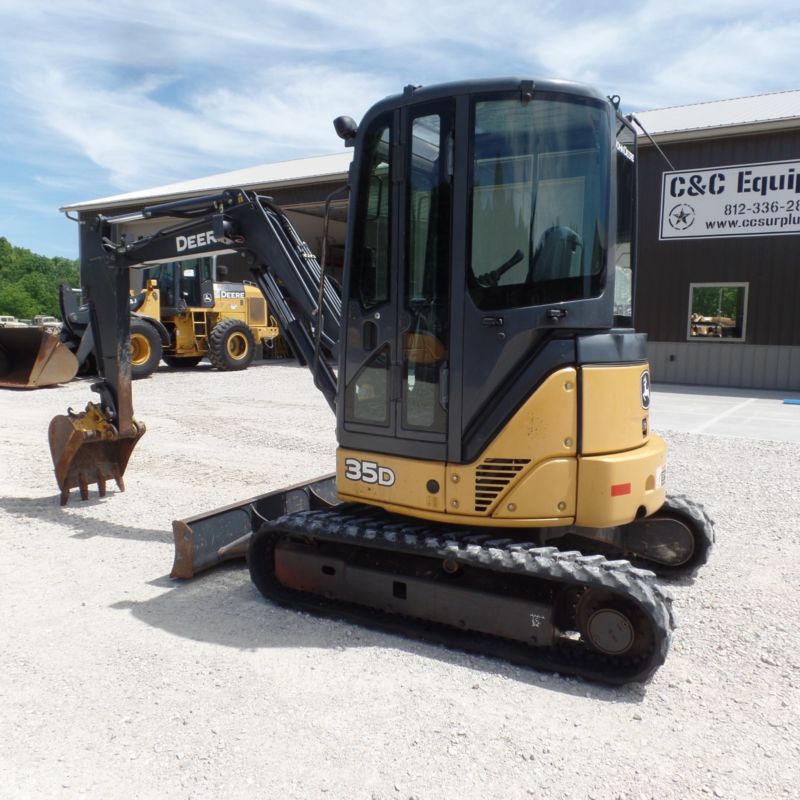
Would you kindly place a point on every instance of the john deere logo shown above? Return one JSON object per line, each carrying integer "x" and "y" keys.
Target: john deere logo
{"x": 229, "y": 291}
{"x": 645, "y": 385}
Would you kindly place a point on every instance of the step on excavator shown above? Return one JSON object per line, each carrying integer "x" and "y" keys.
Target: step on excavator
{"x": 498, "y": 487}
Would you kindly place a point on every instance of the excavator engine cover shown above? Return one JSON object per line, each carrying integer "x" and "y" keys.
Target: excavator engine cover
{"x": 87, "y": 448}
{"x": 33, "y": 357}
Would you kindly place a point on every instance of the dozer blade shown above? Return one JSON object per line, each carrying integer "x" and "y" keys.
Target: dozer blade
{"x": 32, "y": 357}
{"x": 86, "y": 448}
{"x": 205, "y": 540}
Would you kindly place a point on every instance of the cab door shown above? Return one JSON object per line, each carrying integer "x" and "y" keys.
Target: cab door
{"x": 395, "y": 360}
{"x": 423, "y": 343}
{"x": 367, "y": 408}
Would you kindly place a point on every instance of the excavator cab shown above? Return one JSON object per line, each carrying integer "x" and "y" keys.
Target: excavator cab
{"x": 483, "y": 238}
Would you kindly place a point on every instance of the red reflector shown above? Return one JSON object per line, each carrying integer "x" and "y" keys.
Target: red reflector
{"x": 620, "y": 488}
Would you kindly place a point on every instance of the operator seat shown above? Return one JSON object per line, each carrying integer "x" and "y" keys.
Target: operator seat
{"x": 555, "y": 255}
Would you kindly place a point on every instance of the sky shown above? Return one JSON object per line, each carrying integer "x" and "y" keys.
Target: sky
{"x": 101, "y": 98}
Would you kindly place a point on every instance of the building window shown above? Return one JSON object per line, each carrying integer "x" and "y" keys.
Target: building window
{"x": 717, "y": 312}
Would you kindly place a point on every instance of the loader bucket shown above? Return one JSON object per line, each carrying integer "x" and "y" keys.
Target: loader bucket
{"x": 33, "y": 357}
{"x": 203, "y": 541}
{"x": 86, "y": 448}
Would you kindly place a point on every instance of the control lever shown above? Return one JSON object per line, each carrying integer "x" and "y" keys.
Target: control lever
{"x": 490, "y": 279}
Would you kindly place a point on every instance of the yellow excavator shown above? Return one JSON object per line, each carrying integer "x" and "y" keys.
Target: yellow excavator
{"x": 498, "y": 487}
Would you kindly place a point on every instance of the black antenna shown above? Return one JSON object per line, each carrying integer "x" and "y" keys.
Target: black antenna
{"x": 634, "y": 118}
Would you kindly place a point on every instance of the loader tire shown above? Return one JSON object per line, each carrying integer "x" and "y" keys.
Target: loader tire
{"x": 183, "y": 362}
{"x": 146, "y": 349}
{"x": 231, "y": 345}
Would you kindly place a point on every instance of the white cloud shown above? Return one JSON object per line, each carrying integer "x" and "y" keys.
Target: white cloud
{"x": 730, "y": 61}
{"x": 139, "y": 139}
{"x": 120, "y": 96}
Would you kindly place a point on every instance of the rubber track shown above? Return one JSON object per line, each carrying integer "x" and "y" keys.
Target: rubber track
{"x": 695, "y": 514}
{"x": 373, "y": 528}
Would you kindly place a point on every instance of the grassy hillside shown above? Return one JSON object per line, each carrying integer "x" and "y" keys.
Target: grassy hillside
{"x": 29, "y": 282}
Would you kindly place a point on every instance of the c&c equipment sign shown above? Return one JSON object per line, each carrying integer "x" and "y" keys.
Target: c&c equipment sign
{"x": 742, "y": 200}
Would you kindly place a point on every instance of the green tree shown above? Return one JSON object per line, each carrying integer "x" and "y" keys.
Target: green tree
{"x": 29, "y": 282}
{"x": 16, "y": 301}
{"x": 713, "y": 301}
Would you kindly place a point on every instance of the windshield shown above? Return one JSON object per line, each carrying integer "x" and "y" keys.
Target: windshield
{"x": 540, "y": 189}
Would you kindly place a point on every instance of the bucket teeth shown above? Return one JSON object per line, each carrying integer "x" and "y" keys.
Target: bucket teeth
{"x": 87, "y": 448}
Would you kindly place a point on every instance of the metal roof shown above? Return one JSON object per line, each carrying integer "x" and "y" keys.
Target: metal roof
{"x": 282, "y": 174}
{"x": 765, "y": 111}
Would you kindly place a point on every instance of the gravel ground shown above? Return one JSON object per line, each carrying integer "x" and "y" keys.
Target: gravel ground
{"x": 118, "y": 682}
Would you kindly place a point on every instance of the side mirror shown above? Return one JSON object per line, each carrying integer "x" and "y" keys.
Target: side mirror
{"x": 346, "y": 129}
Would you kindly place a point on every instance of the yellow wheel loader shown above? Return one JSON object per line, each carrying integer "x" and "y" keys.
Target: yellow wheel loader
{"x": 498, "y": 487}
{"x": 183, "y": 314}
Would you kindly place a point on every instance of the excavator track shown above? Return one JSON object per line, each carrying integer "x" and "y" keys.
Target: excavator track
{"x": 564, "y": 612}
{"x": 674, "y": 542}
{"x": 695, "y": 516}
{"x": 679, "y": 555}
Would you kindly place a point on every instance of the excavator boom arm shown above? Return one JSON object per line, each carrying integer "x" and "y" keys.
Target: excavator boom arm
{"x": 282, "y": 265}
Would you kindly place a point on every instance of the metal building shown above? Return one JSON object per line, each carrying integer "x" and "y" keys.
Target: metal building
{"x": 300, "y": 187}
{"x": 718, "y": 284}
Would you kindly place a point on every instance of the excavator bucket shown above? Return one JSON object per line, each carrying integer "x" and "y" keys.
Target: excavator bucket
{"x": 203, "y": 541}
{"x": 33, "y": 357}
{"x": 86, "y": 448}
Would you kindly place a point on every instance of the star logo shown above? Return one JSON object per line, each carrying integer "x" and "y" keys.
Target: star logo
{"x": 681, "y": 217}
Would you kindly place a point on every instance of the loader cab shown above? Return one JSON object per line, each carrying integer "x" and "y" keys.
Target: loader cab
{"x": 483, "y": 239}
{"x": 181, "y": 283}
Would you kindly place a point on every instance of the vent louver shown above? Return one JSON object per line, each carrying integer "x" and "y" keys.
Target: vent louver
{"x": 492, "y": 476}
{"x": 256, "y": 311}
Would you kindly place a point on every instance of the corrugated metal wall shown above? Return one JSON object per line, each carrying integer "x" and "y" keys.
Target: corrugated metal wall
{"x": 725, "y": 364}
{"x": 770, "y": 265}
